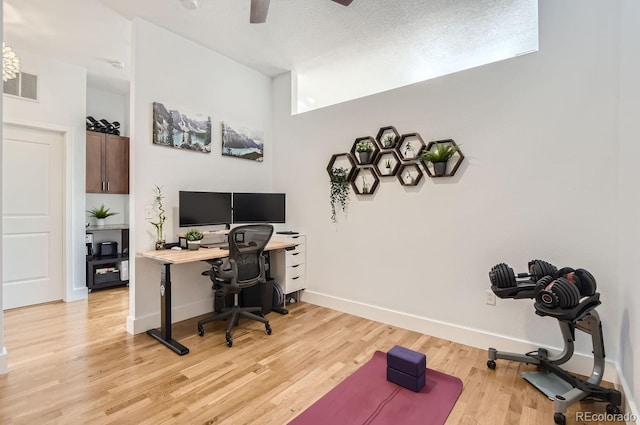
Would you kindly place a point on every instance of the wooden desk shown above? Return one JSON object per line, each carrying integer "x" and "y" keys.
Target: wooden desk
{"x": 168, "y": 257}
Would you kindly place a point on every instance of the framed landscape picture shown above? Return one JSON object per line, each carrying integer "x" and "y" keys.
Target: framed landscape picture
{"x": 178, "y": 129}
{"x": 242, "y": 142}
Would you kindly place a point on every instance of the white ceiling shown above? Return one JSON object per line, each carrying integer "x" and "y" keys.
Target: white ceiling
{"x": 299, "y": 35}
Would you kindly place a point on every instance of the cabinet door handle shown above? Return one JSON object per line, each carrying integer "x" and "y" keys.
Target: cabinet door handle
{"x": 108, "y": 186}
{"x": 103, "y": 186}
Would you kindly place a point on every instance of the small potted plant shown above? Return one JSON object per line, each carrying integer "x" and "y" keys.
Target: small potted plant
{"x": 388, "y": 140}
{"x": 100, "y": 214}
{"x": 193, "y": 238}
{"x": 439, "y": 157}
{"x": 408, "y": 150}
{"x": 387, "y": 166}
{"x": 408, "y": 178}
{"x": 364, "y": 149}
{"x": 365, "y": 186}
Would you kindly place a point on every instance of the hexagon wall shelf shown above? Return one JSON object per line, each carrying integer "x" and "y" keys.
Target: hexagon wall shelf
{"x": 343, "y": 160}
{"x": 381, "y": 161}
{"x": 365, "y": 181}
{"x": 452, "y": 165}
{"x": 372, "y": 155}
{"x": 409, "y": 146}
{"x": 387, "y": 137}
{"x": 409, "y": 174}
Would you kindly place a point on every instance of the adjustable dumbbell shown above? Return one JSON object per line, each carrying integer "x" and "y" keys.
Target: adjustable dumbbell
{"x": 502, "y": 276}
{"x": 565, "y": 291}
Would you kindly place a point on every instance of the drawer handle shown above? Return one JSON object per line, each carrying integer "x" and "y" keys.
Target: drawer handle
{"x": 290, "y": 248}
{"x": 297, "y": 265}
{"x": 294, "y": 278}
{"x": 295, "y": 237}
{"x": 295, "y": 253}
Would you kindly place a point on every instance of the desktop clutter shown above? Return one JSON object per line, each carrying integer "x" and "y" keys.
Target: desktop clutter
{"x": 569, "y": 296}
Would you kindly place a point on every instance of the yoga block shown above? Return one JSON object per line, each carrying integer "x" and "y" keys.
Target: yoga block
{"x": 413, "y": 383}
{"x": 407, "y": 361}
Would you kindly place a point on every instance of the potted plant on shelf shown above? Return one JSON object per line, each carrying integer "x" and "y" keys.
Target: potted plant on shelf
{"x": 408, "y": 150}
{"x": 339, "y": 194}
{"x": 387, "y": 166}
{"x": 100, "y": 214}
{"x": 159, "y": 223}
{"x": 364, "y": 149}
{"x": 365, "y": 185}
{"x": 388, "y": 140}
{"x": 439, "y": 157}
{"x": 193, "y": 238}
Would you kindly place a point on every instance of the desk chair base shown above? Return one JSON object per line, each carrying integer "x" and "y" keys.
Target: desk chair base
{"x": 233, "y": 314}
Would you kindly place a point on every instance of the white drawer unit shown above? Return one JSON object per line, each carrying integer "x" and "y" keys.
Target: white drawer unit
{"x": 288, "y": 270}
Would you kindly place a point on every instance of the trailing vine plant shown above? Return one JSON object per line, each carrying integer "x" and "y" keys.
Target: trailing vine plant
{"x": 159, "y": 224}
{"x": 339, "y": 195}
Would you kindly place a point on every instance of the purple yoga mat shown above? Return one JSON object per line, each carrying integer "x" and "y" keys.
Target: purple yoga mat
{"x": 367, "y": 398}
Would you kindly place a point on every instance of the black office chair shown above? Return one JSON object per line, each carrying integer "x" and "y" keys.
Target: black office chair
{"x": 244, "y": 267}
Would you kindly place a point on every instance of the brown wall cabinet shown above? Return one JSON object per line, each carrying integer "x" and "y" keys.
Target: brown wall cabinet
{"x": 107, "y": 163}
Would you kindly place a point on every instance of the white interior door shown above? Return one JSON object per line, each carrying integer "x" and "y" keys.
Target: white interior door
{"x": 32, "y": 214}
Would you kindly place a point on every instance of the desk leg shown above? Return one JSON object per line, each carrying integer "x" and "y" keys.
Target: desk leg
{"x": 164, "y": 334}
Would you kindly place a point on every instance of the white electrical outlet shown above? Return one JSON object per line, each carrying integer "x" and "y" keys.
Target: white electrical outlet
{"x": 489, "y": 297}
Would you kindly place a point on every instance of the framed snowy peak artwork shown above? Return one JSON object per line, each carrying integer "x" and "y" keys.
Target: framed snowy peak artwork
{"x": 179, "y": 129}
{"x": 242, "y": 142}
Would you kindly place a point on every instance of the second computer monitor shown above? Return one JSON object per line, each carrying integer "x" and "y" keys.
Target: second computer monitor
{"x": 259, "y": 207}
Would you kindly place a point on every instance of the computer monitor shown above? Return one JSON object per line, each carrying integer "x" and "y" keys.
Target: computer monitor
{"x": 259, "y": 207}
{"x": 204, "y": 208}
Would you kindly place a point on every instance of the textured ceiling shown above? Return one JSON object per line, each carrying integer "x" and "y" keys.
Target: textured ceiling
{"x": 305, "y": 36}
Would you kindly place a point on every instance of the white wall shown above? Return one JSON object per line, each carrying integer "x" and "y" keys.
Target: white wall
{"x": 629, "y": 228}
{"x": 179, "y": 73}
{"x": 61, "y": 106}
{"x": 539, "y": 134}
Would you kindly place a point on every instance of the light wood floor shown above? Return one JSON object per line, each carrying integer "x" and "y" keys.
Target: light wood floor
{"x": 75, "y": 364}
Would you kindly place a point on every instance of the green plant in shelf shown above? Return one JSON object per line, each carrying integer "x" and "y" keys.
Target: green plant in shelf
{"x": 339, "y": 193}
{"x": 364, "y": 146}
{"x": 442, "y": 153}
{"x": 388, "y": 140}
{"x": 193, "y": 235}
{"x": 101, "y": 212}
{"x": 387, "y": 163}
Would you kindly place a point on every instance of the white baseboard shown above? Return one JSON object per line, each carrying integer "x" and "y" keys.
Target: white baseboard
{"x": 630, "y": 408}
{"x": 4, "y": 364}
{"x": 579, "y": 363}
{"x": 178, "y": 313}
{"x": 77, "y": 294}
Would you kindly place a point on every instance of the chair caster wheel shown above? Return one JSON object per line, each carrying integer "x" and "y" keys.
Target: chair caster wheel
{"x": 491, "y": 364}
{"x": 267, "y": 329}
{"x": 229, "y": 339}
{"x": 200, "y": 331}
{"x": 612, "y": 409}
{"x": 559, "y": 418}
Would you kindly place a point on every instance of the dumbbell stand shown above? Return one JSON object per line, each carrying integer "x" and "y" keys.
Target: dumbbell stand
{"x": 588, "y": 322}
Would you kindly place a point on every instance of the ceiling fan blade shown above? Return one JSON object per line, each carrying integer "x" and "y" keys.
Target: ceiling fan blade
{"x": 259, "y": 9}
{"x": 343, "y": 2}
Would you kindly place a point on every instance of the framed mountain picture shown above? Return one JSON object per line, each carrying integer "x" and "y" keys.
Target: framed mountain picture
{"x": 176, "y": 128}
{"x": 242, "y": 142}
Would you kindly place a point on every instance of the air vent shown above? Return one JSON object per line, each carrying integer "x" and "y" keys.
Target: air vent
{"x": 24, "y": 86}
